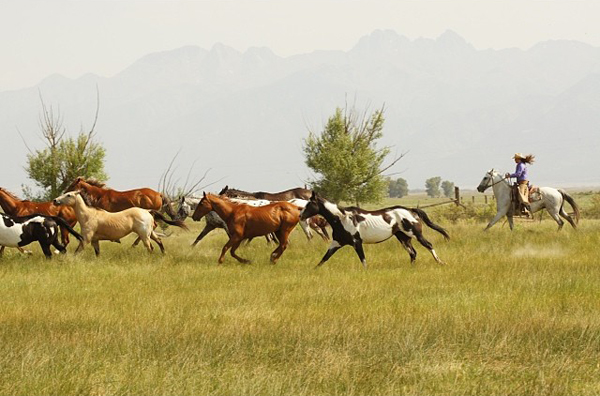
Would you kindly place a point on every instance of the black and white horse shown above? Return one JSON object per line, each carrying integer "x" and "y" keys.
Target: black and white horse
{"x": 354, "y": 226}
{"x": 21, "y": 231}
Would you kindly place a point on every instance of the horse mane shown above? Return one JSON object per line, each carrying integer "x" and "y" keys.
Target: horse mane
{"x": 95, "y": 182}
{"x": 232, "y": 193}
{"x": 89, "y": 200}
{"x": 10, "y": 194}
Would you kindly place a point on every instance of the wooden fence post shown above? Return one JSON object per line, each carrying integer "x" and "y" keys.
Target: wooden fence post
{"x": 456, "y": 195}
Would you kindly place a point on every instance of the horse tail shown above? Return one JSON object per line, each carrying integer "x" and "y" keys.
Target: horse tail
{"x": 63, "y": 223}
{"x": 429, "y": 223}
{"x": 571, "y": 202}
{"x": 176, "y": 223}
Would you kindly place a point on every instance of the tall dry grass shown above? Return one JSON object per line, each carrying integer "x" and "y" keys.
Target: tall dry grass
{"x": 512, "y": 313}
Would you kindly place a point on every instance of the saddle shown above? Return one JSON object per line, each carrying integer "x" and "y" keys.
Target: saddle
{"x": 532, "y": 196}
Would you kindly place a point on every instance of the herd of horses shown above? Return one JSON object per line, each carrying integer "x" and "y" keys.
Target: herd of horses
{"x": 105, "y": 214}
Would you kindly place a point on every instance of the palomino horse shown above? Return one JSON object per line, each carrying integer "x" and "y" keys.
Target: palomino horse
{"x": 21, "y": 231}
{"x": 15, "y": 207}
{"x": 246, "y": 222}
{"x": 286, "y": 195}
{"x": 115, "y": 201}
{"x": 100, "y": 225}
{"x": 354, "y": 226}
{"x": 548, "y": 198}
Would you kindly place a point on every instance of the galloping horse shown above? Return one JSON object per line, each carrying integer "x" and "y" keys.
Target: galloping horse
{"x": 21, "y": 231}
{"x": 548, "y": 198}
{"x": 15, "y": 207}
{"x": 246, "y": 222}
{"x": 286, "y": 195}
{"x": 98, "y": 224}
{"x": 116, "y": 201}
{"x": 354, "y": 226}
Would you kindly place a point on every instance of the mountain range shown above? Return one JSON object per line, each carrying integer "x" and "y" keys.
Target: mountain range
{"x": 453, "y": 110}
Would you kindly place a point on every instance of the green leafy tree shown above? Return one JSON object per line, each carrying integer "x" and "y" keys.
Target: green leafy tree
{"x": 398, "y": 188}
{"x": 448, "y": 188}
{"x": 346, "y": 156}
{"x": 432, "y": 186}
{"x": 64, "y": 158}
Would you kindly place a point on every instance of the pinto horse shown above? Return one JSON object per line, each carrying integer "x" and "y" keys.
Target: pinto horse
{"x": 354, "y": 226}
{"x": 15, "y": 207}
{"x": 286, "y": 195}
{"x": 98, "y": 224}
{"x": 115, "y": 201}
{"x": 246, "y": 222}
{"x": 21, "y": 231}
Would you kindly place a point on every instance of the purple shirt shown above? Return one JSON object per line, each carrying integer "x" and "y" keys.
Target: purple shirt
{"x": 521, "y": 172}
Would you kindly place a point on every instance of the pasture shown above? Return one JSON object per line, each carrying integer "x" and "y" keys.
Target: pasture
{"x": 511, "y": 313}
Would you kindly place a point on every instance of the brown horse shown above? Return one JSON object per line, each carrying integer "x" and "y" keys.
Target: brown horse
{"x": 286, "y": 195}
{"x": 246, "y": 222}
{"x": 15, "y": 207}
{"x": 116, "y": 201}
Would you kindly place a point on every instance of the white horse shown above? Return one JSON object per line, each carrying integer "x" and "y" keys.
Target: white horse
{"x": 548, "y": 198}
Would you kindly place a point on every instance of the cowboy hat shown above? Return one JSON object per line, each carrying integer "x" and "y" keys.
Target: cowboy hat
{"x": 519, "y": 156}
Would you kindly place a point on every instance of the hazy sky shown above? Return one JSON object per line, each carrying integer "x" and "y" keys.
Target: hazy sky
{"x": 72, "y": 38}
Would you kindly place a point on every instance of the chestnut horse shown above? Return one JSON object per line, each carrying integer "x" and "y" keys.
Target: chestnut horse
{"x": 116, "y": 201}
{"x": 13, "y": 206}
{"x": 246, "y": 222}
{"x": 286, "y": 195}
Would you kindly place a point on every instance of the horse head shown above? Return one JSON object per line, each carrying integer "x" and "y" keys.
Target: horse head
{"x": 312, "y": 207}
{"x": 224, "y": 190}
{"x": 184, "y": 208}
{"x": 487, "y": 181}
{"x": 68, "y": 198}
{"x": 203, "y": 208}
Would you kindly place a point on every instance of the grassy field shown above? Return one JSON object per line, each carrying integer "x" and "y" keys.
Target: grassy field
{"x": 511, "y": 313}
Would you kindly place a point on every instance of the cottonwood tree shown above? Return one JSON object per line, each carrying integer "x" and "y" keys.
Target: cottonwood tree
{"x": 432, "y": 186}
{"x": 448, "y": 188}
{"x": 64, "y": 158}
{"x": 346, "y": 157}
{"x": 397, "y": 188}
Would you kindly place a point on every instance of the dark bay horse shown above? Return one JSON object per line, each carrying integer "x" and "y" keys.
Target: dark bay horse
{"x": 116, "y": 201}
{"x": 354, "y": 226}
{"x": 286, "y": 195}
{"x": 13, "y": 206}
{"x": 246, "y": 222}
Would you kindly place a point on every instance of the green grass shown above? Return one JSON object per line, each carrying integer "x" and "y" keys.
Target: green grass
{"x": 511, "y": 313}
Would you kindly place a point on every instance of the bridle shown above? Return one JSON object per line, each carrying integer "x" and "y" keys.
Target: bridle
{"x": 491, "y": 175}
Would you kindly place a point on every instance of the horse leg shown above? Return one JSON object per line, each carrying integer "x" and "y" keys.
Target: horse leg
{"x": 208, "y": 228}
{"x": 358, "y": 248}
{"x": 322, "y": 231}
{"x": 147, "y": 243}
{"x": 234, "y": 246}
{"x": 566, "y": 216}
{"x": 429, "y": 246}
{"x": 46, "y": 249}
{"x": 334, "y": 247}
{"x": 499, "y": 215}
{"x": 511, "y": 224}
{"x": 224, "y": 250}
{"x": 283, "y": 235}
{"x": 136, "y": 242}
{"x": 96, "y": 246}
{"x": 62, "y": 249}
{"x": 64, "y": 236}
{"x": 407, "y": 245}
{"x": 158, "y": 241}
{"x": 306, "y": 228}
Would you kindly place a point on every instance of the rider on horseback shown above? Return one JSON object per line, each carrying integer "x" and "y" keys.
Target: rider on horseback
{"x": 522, "y": 182}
